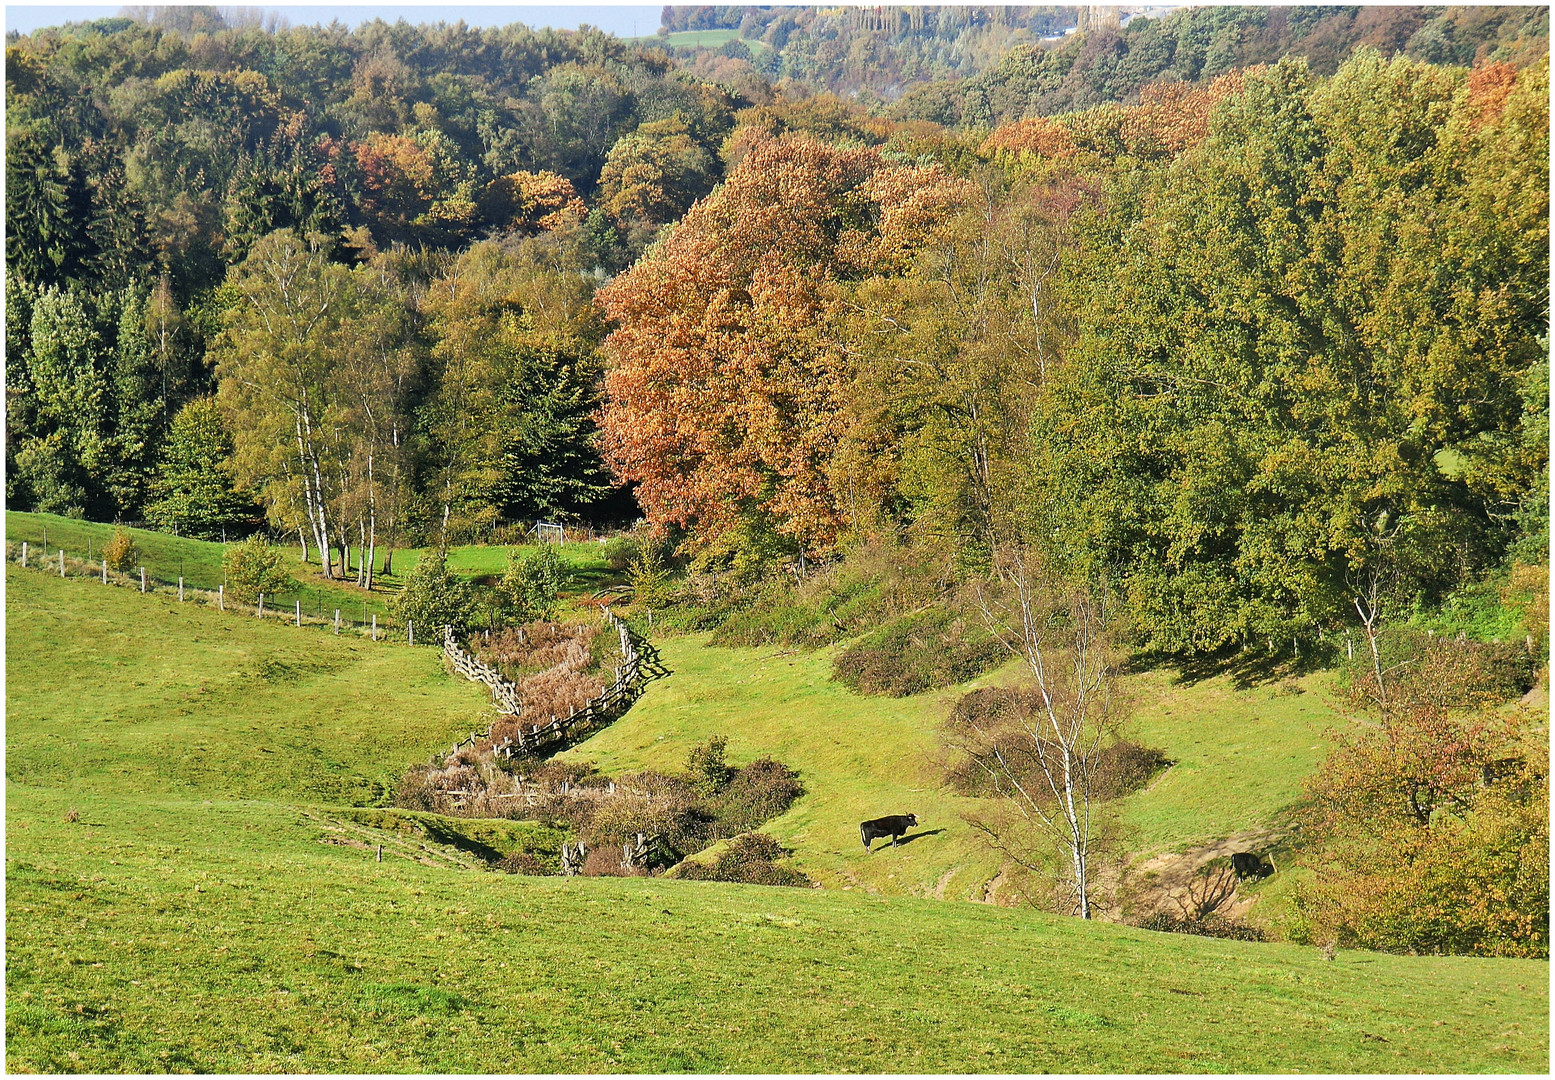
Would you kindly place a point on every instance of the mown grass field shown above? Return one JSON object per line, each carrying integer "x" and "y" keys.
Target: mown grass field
{"x": 192, "y": 919}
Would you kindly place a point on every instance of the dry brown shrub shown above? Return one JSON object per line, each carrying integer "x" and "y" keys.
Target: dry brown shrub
{"x": 522, "y": 862}
{"x": 120, "y": 552}
{"x": 556, "y": 692}
{"x": 539, "y": 645}
{"x": 606, "y": 862}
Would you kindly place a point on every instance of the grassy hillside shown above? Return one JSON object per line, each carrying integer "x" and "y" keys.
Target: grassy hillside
{"x": 207, "y": 910}
{"x": 1240, "y": 757}
{"x": 111, "y": 692}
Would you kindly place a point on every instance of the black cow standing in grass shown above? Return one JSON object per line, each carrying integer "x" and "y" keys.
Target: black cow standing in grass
{"x": 893, "y": 826}
{"x": 1249, "y": 864}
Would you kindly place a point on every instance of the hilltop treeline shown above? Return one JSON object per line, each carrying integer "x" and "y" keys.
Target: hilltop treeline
{"x": 985, "y": 66}
{"x": 1207, "y": 42}
{"x": 1234, "y": 345}
{"x": 1234, "y": 349}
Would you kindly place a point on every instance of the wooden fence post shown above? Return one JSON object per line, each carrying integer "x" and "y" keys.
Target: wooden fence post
{"x": 410, "y": 629}
{"x": 61, "y": 562}
{"x": 337, "y": 620}
{"x": 259, "y": 609}
{"x": 105, "y": 571}
{"x": 375, "y": 627}
{"x": 142, "y": 579}
{"x": 180, "y": 590}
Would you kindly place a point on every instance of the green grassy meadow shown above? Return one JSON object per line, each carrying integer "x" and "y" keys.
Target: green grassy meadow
{"x": 219, "y": 906}
{"x": 1240, "y": 757}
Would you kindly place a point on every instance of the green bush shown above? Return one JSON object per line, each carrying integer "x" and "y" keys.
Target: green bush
{"x": 120, "y": 552}
{"x": 254, "y": 566}
{"x": 532, "y": 585}
{"x": 706, "y": 768}
{"x": 749, "y": 860}
{"x": 1163, "y": 922}
{"x": 755, "y": 794}
{"x": 921, "y": 652}
{"x": 654, "y": 584}
{"x": 434, "y": 597}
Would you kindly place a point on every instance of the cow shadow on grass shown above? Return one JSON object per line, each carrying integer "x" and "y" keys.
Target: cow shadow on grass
{"x": 910, "y": 837}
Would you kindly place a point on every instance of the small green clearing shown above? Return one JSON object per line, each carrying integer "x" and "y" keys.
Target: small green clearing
{"x": 199, "y": 562}
{"x": 705, "y": 39}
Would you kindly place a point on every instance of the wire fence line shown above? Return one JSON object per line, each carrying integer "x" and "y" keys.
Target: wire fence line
{"x": 288, "y": 607}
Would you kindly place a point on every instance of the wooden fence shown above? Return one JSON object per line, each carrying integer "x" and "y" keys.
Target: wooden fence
{"x": 639, "y": 665}
{"x": 298, "y": 611}
{"x": 504, "y": 695}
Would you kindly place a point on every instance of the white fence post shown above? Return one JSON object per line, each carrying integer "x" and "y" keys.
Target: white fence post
{"x": 105, "y": 571}
{"x": 142, "y": 579}
{"x": 24, "y": 553}
{"x": 61, "y": 562}
{"x": 299, "y": 613}
{"x": 375, "y": 627}
{"x": 410, "y": 629}
{"x": 259, "y": 611}
{"x": 180, "y": 590}
{"x": 337, "y": 620}
{"x": 221, "y": 597}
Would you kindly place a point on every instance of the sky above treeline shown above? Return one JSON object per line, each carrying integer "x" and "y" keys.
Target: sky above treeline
{"x": 624, "y": 20}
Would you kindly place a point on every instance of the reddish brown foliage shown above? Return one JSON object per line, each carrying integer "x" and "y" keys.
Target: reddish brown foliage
{"x": 1173, "y": 117}
{"x": 723, "y": 392}
{"x": 1039, "y": 135}
{"x": 1489, "y": 87}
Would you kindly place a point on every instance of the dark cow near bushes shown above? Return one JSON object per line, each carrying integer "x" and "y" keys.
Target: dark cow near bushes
{"x": 1247, "y": 864}
{"x": 893, "y": 826}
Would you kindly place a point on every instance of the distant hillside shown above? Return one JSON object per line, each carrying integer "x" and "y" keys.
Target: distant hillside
{"x": 1201, "y": 43}
{"x": 879, "y": 52}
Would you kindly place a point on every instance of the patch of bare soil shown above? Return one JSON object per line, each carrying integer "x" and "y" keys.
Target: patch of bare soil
{"x": 1155, "y": 882}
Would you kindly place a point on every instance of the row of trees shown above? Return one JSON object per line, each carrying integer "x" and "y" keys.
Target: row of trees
{"x": 1234, "y": 364}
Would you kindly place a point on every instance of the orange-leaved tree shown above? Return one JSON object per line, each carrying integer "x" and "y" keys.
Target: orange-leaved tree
{"x": 725, "y": 377}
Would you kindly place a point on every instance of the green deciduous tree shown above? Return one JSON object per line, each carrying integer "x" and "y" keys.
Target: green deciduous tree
{"x": 433, "y": 597}
{"x": 254, "y": 566}
{"x": 1304, "y": 350}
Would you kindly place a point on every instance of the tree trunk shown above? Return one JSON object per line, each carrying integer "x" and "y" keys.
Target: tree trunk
{"x": 312, "y": 490}
{"x": 361, "y": 547}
